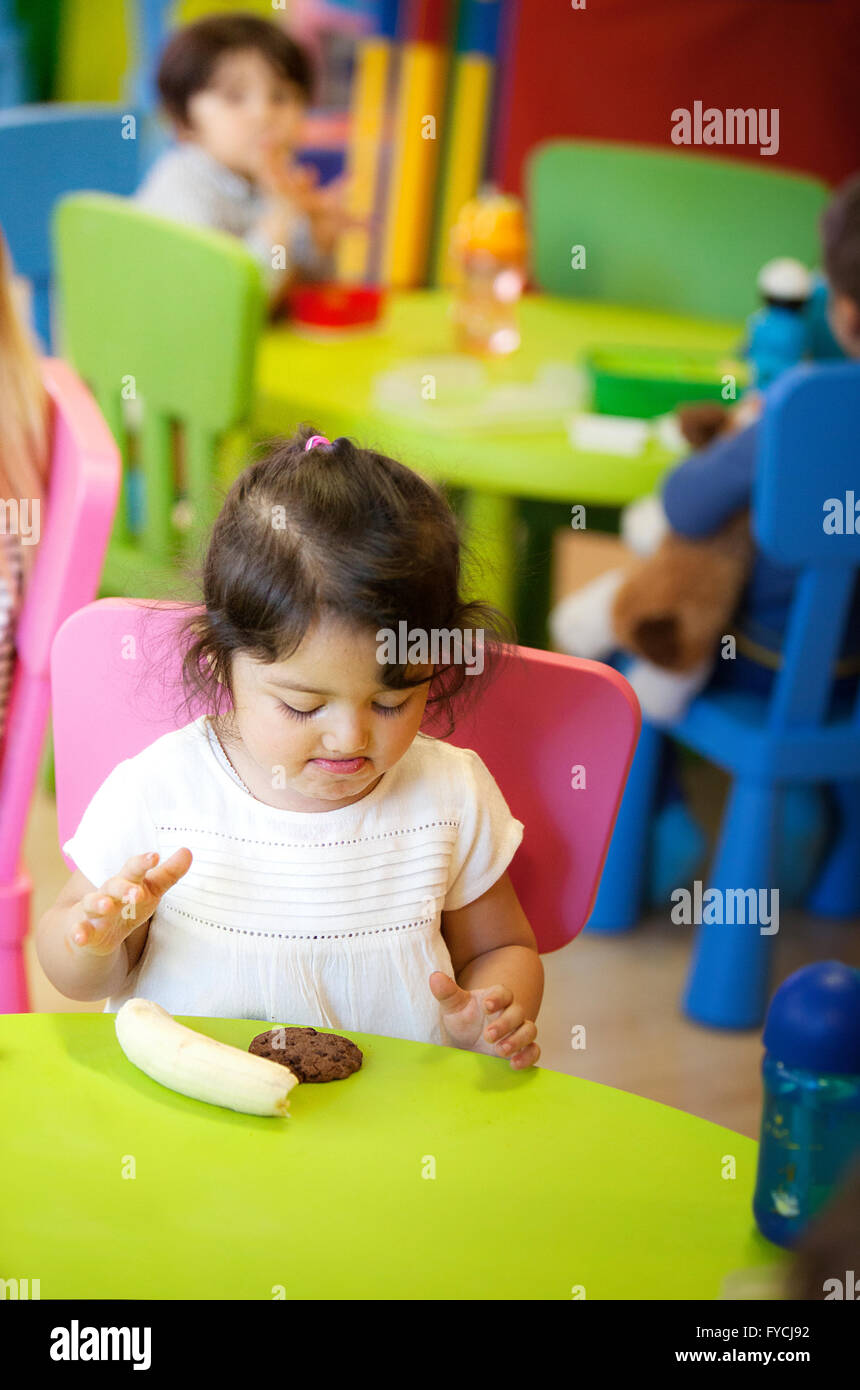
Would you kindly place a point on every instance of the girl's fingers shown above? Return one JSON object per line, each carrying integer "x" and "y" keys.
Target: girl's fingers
{"x": 171, "y": 871}
{"x": 97, "y": 905}
{"x": 83, "y": 932}
{"x": 518, "y": 1038}
{"x": 142, "y": 877}
{"x": 132, "y": 874}
{"x": 497, "y": 998}
{"x": 507, "y": 1021}
{"x": 138, "y": 884}
{"x": 97, "y": 911}
{"x": 122, "y": 893}
{"x": 454, "y": 997}
{"x": 526, "y": 1058}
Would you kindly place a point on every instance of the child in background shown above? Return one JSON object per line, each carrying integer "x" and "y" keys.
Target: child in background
{"x": 713, "y": 485}
{"x": 236, "y": 88}
{"x": 322, "y": 862}
{"x": 699, "y": 497}
{"x": 24, "y": 463}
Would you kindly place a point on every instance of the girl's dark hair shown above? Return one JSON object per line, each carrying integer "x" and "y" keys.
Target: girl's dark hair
{"x": 342, "y": 531}
{"x": 190, "y": 56}
{"x": 840, "y": 234}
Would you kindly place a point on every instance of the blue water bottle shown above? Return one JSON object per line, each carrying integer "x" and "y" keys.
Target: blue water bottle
{"x": 810, "y": 1129}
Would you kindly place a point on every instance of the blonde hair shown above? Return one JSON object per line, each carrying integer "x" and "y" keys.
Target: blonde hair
{"x": 24, "y": 415}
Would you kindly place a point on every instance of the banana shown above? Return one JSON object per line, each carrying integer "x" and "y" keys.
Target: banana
{"x": 201, "y": 1067}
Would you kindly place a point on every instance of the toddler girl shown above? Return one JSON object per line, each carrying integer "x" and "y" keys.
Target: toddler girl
{"x": 322, "y": 862}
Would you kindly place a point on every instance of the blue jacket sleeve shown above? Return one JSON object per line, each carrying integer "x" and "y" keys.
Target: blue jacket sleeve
{"x": 711, "y": 485}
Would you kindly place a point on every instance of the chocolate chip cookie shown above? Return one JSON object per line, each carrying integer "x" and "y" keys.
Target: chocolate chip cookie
{"x": 312, "y": 1056}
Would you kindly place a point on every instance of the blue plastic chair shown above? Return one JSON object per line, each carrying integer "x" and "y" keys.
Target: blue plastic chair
{"x": 48, "y": 150}
{"x": 153, "y": 23}
{"x": 809, "y": 452}
{"x": 14, "y": 78}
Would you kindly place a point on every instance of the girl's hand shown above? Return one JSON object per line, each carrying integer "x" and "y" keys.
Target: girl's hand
{"x": 486, "y": 1020}
{"x": 112, "y": 913}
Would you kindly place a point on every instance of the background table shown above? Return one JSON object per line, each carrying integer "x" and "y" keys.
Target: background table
{"x": 542, "y": 1181}
{"x": 330, "y": 382}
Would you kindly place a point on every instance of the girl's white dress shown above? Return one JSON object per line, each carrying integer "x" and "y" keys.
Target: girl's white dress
{"x": 325, "y": 919}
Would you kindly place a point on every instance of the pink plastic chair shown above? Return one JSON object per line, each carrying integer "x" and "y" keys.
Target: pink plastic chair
{"x": 76, "y": 522}
{"x": 543, "y": 715}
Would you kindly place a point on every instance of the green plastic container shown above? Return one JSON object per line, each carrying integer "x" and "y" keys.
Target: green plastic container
{"x": 644, "y": 382}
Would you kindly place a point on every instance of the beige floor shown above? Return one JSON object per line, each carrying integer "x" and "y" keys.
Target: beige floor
{"x": 624, "y": 989}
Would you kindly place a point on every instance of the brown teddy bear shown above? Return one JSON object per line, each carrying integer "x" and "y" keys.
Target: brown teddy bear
{"x": 676, "y": 604}
{"x": 672, "y": 607}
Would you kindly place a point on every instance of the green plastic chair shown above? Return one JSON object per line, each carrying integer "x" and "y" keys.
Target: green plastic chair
{"x": 664, "y": 229}
{"x": 169, "y": 315}
{"x": 172, "y": 313}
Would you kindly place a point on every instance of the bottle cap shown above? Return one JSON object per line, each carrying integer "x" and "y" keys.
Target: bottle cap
{"x": 814, "y": 1019}
{"x": 494, "y": 222}
{"x": 784, "y": 278}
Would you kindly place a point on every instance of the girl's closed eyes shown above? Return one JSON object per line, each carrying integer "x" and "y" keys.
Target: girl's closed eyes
{"x": 309, "y": 713}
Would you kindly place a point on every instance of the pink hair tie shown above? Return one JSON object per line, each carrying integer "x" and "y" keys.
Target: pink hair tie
{"x": 316, "y": 439}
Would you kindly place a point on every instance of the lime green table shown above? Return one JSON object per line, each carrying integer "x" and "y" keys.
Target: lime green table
{"x": 430, "y": 1173}
{"x": 334, "y": 382}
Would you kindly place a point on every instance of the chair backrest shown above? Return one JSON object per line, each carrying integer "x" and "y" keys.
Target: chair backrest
{"x": 557, "y": 733}
{"x": 153, "y": 21}
{"x": 82, "y": 494}
{"x": 806, "y": 515}
{"x": 169, "y": 316}
{"x": 46, "y": 151}
{"x": 663, "y": 229}
{"x": 14, "y": 74}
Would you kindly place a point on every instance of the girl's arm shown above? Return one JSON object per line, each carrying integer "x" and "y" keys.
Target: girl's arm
{"x": 491, "y": 943}
{"x": 77, "y": 973}
{"x": 91, "y": 939}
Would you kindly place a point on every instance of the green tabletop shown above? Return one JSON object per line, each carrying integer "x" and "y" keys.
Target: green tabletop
{"x": 333, "y": 381}
{"x": 430, "y": 1173}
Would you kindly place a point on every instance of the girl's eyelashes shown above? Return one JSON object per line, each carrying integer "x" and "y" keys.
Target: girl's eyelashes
{"x": 386, "y": 710}
{"x": 298, "y": 713}
{"x": 392, "y": 709}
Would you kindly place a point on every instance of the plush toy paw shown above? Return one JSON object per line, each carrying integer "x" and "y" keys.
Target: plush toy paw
{"x": 702, "y": 421}
{"x": 581, "y": 624}
{"x": 665, "y": 695}
{"x": 644, "y": 525}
